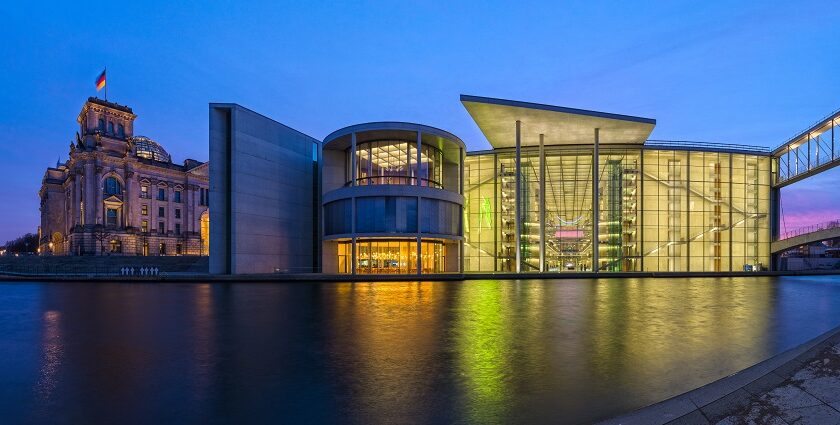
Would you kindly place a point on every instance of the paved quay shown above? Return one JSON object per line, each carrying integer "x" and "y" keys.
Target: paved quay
{"x": 800, "y": 386}
{"x": 166, "y": 276}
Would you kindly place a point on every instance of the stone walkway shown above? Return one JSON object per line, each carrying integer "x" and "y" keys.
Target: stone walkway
{"x": 801, "y": 386}
{"x": 796, "y": 393}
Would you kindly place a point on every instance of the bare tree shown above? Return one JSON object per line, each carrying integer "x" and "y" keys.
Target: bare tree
{"x": 101, "y": 234}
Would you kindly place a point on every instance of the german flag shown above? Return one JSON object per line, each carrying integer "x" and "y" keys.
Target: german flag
{"x": 100, "y": 81}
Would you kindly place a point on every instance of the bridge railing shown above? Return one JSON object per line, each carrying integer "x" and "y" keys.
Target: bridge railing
{"x": 811, "y": 228}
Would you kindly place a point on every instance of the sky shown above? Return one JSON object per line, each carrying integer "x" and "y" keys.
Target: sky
{"x": 718, "y": 71}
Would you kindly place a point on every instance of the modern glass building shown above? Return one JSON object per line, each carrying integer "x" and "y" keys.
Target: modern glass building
{"x": 392, "y": 200}
{"x": 574, "y": 190}
{"x": 561, "y": 190}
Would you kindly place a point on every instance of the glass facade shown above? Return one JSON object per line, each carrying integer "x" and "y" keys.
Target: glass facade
{"x": 395, "y": 162}
{"x": 391, "y": 256}
{"x": 657, "y": 210}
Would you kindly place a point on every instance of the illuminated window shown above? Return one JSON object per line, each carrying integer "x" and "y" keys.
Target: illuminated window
{"x": 116, "y": 245}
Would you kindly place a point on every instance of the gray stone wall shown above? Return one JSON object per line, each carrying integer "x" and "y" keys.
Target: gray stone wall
{"x": 262, "y": 189}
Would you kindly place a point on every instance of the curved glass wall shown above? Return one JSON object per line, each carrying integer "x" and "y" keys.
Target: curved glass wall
{"x": 395, "y": 162}
{"x": 658, "y": 210}
{"x": 391, "y": 256}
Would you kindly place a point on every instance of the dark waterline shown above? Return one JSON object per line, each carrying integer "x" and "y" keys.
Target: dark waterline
{"x": 435, "y": 352}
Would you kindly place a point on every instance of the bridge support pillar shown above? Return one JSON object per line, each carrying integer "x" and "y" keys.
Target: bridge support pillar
{"x": 775, "y": 221}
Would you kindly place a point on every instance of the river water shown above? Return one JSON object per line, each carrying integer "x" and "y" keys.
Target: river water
{"x": 541, "y": 351}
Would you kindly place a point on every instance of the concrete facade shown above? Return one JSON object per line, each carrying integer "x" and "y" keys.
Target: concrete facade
{"x": 263, "y": 194}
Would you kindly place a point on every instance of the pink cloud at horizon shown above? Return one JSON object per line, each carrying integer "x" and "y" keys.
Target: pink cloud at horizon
{"x": 812, "y": 201}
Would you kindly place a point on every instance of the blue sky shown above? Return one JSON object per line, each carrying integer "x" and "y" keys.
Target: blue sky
{"x": 736, "y": 72}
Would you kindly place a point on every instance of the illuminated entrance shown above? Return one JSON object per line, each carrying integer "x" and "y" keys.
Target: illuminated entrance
{"x": 391, "y": 256}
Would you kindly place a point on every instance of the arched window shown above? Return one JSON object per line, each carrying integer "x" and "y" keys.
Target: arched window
{"x": 121, "y": 130}
{"x": 111, "y": 127}
{"x": 112, "y": 186}
{"x": 205, "y": 233}
{"x": 101, "y": 124}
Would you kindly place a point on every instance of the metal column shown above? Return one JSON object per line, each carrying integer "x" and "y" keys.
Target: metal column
{"x": 353, "y": 251}
{"x": 542, "y": 203}
{"x": 731, "y": 223}
{"x": 595, "y": 213}
{"x": 353, "y": 159}
{"x": 417, "y": 181}
{"x": 496, "y": 226}
{"x": 518, "y": 199}
{"x": 640, "y": 235}
{"x": 688, "y": 211}
{"x": 461, "y": 191}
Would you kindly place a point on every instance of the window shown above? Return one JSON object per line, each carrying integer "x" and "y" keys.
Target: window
{"x": 121, "y": 130}
{"x": 111, "y": 217}
{"x": 162, "y": 249}
{"x": 144, "y": 192}
{"x": 161, "y": 227}
{"x": 177, "y": 213}
{"x": 178, "y": 229}
{"x": 112, "y": 186}
{"x": 101, "y": 125}
{"x": 144, "y": 226}
{"x": 178, "y": 196}
{"x": 144, "y": 209}
{"x": 161, "y": 212}
{"x": 116, "y": 245}
{"x": 161, "y": 194}
{"x": 111, "y": 127}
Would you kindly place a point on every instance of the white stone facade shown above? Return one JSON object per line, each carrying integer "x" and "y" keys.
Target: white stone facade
{"x": 119, "y": 194}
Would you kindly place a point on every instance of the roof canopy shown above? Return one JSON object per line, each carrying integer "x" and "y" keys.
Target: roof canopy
{"x": 560, "y": 126}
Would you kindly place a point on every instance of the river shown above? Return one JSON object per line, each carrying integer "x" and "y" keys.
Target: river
{"x": 528, "y": 351}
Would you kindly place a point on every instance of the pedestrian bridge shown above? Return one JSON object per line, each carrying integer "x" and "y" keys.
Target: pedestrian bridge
{"x": 810, "y": 152}
{"x": 806, "y": 235}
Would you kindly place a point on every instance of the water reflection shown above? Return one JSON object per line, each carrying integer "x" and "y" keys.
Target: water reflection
{"x": 51, "y": 355}
{"x": 412, "y": 352}
{"x": 383, "y": 345}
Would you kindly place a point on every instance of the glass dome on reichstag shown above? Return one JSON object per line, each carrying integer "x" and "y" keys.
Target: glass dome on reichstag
{"x": 145, "y": 147}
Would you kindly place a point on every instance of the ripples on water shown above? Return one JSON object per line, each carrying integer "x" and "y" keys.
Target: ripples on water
{"x": 570, "y": 351}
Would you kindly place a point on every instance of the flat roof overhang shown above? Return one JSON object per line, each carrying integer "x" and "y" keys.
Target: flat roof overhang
{"x": 560, "y": 126}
